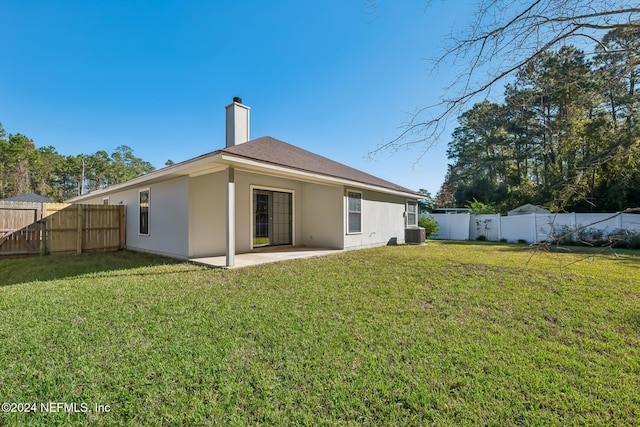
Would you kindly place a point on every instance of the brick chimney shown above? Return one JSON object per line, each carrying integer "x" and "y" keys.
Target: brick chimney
{"x": 237, "y": 123}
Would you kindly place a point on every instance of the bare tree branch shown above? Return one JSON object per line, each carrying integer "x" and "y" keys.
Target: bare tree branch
{"x": 504, "y": 36}
{"x": 556, "y": 240}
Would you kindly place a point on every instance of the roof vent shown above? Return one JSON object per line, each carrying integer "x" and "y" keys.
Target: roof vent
{"x": 237, "y": 99}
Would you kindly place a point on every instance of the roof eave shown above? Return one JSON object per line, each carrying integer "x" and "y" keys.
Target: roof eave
{"x": 205, "y": 164}
{"x": 191, "y": 167}
{"x": 236, "y": 161}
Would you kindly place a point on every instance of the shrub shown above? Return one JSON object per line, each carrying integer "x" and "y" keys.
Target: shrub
{"x": 429, "y": 224}
{"x": 562, "y": 235}
{"x": 634, "y": 242}
{"x": 621, "y": 238}
{"x": 479, "y": 208}
{"x": 591, "y": 237}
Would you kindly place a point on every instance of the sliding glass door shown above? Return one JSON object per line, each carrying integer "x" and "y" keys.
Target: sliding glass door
{"x": 272, "y": 218}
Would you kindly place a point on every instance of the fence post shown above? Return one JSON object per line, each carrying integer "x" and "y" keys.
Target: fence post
{"x": 535, "y": 228}
{"x": 79, "y": 230}
{"x": 123, "y": 226}
{"x": 619, "y": 220}
{"x": 43, "y": 237}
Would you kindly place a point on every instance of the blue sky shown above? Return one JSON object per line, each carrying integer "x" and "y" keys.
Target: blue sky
{"x": 336, "y": 77}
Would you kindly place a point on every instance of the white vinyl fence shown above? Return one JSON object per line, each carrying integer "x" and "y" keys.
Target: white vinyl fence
{"x": 533, "y": 228}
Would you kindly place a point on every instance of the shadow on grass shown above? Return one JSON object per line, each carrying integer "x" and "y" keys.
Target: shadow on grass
{"x": 500, "y": 246}
{"x": 51, "y": 267}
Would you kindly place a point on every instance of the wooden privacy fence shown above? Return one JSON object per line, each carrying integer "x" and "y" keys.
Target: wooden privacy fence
{"x": 74, "y": 229}
{"x": 26, "y": 241}
{"x": 16, "y": 215}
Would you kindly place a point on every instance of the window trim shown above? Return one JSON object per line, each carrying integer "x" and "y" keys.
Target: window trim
{"x": 348, "y": 211}
{"x": 415, "y": 213}
{"x": 105, "y": 200}
{"x": 140, "y": 191}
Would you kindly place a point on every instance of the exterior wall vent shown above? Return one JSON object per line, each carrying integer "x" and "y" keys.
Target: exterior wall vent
{"x": 414, "y": 236}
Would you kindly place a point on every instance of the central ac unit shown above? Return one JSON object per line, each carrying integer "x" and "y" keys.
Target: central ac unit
{"x": 414, "y": 236}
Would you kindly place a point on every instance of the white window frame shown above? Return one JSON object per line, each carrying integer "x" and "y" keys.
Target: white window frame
{"x": 415, "y": 213}
{"x": 348, "y": 211}
{"x": 105, "y": 200}
{"x": 140, "y": 191}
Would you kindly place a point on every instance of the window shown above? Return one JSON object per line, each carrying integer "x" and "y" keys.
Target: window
{"x": 412, "y": 214}
{"x": 144, "y": 212}
{"x": 354, "y": 212}
{"x": 105, "y": 201}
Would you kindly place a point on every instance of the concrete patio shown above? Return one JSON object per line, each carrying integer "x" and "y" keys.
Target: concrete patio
{"x": 265, "y": 256}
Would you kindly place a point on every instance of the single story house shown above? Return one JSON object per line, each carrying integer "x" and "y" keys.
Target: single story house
{"x": 257, "y": 193}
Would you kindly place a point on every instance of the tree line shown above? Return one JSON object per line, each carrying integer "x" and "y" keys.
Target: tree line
{"x": 26, "y": 169}
{"x": 566, "y": 135}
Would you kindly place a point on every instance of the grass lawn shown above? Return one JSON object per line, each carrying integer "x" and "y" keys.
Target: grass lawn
{"x": 444, "y": 334}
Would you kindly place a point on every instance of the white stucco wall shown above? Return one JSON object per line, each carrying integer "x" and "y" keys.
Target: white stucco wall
{"x": 187, "y": 216}
{"x": 319, "y": 214}
{"x": 382, "y": 220}
{"x": 244, "y": 195}
{"x": 207, "y": 217}
{"x": 322, "y": 216}
{"x": 168, "y": 217}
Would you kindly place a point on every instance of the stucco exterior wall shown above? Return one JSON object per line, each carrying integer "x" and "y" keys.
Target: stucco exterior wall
{"x": 187, "y": 216}
{"x": 383, "y": 220}
{"x": 207, "y": 215}
{"x": 322, "y": 216}
{"x": 244, "y": 195}
{"x": 168, "y": 217}
{"x": 318, "y": 214}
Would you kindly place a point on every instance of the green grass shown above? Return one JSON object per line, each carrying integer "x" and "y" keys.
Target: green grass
{"x": 443, "y": 334}
{"x": 260, "y": 241}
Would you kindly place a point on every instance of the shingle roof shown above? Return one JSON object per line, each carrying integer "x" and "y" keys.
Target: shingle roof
{"x": 266, "y": 150}
{"x": 273, "y": 151}
{"x": 31, "y": 197}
